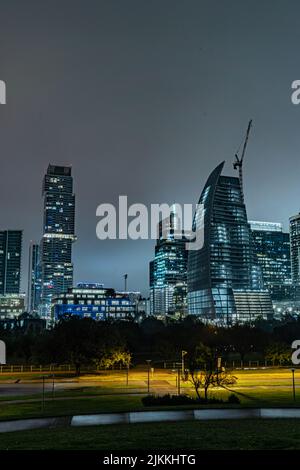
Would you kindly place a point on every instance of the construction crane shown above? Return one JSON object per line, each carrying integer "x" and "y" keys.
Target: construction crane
{"x": 238, "y": 163}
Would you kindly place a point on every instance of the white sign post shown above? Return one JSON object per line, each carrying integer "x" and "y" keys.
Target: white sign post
{"x": 2, "y": 92}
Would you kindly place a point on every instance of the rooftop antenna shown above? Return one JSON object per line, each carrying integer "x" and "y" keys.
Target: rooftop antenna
{"x": 238, "y": 163}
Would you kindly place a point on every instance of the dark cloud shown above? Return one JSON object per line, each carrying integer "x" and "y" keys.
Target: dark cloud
{"x": 145, "y": 98}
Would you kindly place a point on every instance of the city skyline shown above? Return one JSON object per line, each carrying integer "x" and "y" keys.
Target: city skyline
{"x": 144, "y": 94}
{"x": 24, "y": 279}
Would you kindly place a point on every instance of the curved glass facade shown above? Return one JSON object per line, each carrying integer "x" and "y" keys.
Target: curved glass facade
{"x": 227, "y": 262}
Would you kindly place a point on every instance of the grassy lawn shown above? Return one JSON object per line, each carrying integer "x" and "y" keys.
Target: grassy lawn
{"x": 206, "y": 435}
{"x": 119, "y": 403}
{"x": 71, "y": 406}
{"x": 255, "y": 388}
{"x": 77, "y": 392}
{"x": 28, "y": 376}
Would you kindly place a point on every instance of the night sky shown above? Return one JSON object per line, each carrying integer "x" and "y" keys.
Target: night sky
{"x": 145, "y": 98}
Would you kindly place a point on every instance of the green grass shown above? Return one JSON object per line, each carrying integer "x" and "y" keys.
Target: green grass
{"x": 119, "y": 403}
{"x": 78, "y": 400}
{"x": 206, "y": 435}
{"x": 77, "y": 392}
{"x": 34, "y": 375}
{"x": 71, "y": 406}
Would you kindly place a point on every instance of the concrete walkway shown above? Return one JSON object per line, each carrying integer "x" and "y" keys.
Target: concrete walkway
{"x": 149, "y": 417}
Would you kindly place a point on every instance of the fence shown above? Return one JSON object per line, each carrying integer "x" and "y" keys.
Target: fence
{"x": 27, "y": 368}
{"x": 4, "y": 369}
{"x": 238, "y": 364}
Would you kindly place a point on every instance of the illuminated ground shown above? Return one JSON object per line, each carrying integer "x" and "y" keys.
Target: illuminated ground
{"x": 108, "y": 392}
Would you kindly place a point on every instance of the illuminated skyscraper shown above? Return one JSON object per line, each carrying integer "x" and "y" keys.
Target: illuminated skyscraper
{"x": 225, "y": 282}
{"x": 295, "y": 248}
{"x": 168, "y": 267}
{"x": 34, "y": 279}
{"x": 59, "y": 235}
{"x": 10, "y": 261}
{"x": 272, "y": 247}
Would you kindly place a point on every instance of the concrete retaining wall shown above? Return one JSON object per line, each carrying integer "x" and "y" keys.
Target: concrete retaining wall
{"x": 150, "y": 417}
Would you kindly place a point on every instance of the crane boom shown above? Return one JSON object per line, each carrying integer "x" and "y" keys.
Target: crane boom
{"x": 238, "y": 163}
{"x": 246, "y": 140}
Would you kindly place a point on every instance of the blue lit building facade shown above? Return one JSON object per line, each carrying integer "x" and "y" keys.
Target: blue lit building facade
{"x": 58, "y": 237}
{"x": 94, "y": 301}
{"x": 168, "y": 269}
{"x": 225, "y": 283}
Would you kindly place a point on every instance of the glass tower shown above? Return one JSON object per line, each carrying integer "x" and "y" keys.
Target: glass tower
{"x": 225, "y": 282}
{"x": 168, "y": 269}
{"x": 34, "y": 278}
{"x": 295, "y": 248}
{"x": 10, "y": 261}
{"x": 272, "y": 247}
{"x": 58, "y": 236}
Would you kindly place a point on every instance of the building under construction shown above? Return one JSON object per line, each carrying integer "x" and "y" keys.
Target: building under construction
{"x": 225, "y": 283}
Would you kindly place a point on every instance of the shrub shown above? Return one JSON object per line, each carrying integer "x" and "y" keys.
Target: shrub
{"x": 233, "y": 399}
{"x": 167, "y": 400}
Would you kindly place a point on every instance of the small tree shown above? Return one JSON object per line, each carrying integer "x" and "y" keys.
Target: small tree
{"x": 278, "y": 353}
{"x": 114, "y": 357}
{"x": 202, "y": 363}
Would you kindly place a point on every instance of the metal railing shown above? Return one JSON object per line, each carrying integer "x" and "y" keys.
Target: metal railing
{"x": 17, "y": 368}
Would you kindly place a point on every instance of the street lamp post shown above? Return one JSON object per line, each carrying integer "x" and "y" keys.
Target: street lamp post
{"x": 294, "y": 392}
{"x": 148, "y": 362}
{"x": 183, "y": 353}
{"x": 53, "y": 385}
{"x": 43, "y": 395}
{"x": 178, "y": 381}
{"x": 127, "y": 375}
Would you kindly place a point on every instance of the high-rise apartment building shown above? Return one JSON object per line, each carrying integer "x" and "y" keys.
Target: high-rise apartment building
{"x": 34, "y": 278}
{"x": 168, "y": 269}
{"x": 272, "y": 247}
{"x": 295, "y": 248}
{"x": 58, "y": 235}
{"x": 10, "y": 261}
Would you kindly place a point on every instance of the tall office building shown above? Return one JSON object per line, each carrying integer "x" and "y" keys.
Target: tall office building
{"x": 10, "y": 261}
{"x": 225, "y": 282}
{"x": 295, "y": 248}
{"x": 168, "y": 269}
{"x": 272, "y": 247}
{"x": 34, "y": 279}
{"x": 58, "y": 236}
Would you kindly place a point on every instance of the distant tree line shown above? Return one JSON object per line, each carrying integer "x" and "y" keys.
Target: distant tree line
{"x": 119, "y": 343}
